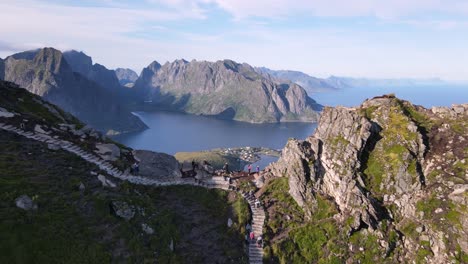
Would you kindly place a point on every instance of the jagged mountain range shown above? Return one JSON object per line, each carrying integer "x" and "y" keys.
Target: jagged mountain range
{"x": 46, "y": 72}
{"x": 224, "y": 89}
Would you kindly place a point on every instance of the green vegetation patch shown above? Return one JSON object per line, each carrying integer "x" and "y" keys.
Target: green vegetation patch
{"x": 73, "y": 226}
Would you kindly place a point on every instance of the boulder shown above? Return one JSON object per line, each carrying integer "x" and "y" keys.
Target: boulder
{"x": 5, "y": 113}
{"x": 157, "y": 165}
{"x": 123, "y": 210}
{"x": 108, "y": 151}
{"x": 106, "y": 182}
{"x": 147, "y": 229}
{"x": 26, "y": 203}
{"x": 39, "y": 129}
{"x": 53, "y": 146}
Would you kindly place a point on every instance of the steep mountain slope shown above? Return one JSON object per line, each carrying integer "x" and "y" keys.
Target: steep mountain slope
{"x": 224, "y": 89}
{"x": 56, "y": 207}
{"x": 384, "y": 182}
{"x": 126, "y": 77}
{"x": 46, "y": 72}
{"x": 309, "y": 83}
{"x": 83, "y": 64}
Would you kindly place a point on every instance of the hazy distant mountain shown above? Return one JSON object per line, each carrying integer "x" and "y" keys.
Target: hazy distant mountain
{"x": 127, "y": 77}
{"x": 83, "y": 64}
{"x": 47, "y": 73}
{"x": 309, "y": 83}
{"x": 347, "y": 82}
{"x": 225, "y": 89}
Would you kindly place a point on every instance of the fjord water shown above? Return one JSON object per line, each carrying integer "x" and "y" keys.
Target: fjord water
{"x": 171, "y": 132}
{"x": 427, "y": 96}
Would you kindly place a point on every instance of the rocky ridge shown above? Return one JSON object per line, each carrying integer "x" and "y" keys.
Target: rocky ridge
{"x": 224, "y": 89}
{"x": 394, "y": 172}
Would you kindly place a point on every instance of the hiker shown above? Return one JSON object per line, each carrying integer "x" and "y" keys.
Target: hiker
{"x": 135, "y": 167}
{"x": 258, "y": 169}
{"x": 249, "y": 168}
{"x": 194, "y": 165}
{"x": 226, "y": 168}
{"x": 248, "y": 227}
{"x": 259, "y": 241}
{"x": 252, "y": 236}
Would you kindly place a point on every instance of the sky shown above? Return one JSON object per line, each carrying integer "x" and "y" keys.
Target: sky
{"x": 356, "y": 38}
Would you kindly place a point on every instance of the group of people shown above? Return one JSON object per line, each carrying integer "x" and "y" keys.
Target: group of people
{"x": 251, "y": 233}
{"x": 249, "y": 168}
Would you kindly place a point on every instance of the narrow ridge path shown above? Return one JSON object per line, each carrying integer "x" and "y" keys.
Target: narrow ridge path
{"x": 258, "y": 212}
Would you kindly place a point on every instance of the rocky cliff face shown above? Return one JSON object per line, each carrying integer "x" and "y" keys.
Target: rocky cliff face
{"x": 224, "y": 89}
{"x": 126, "y": 77}
{"x": 46, "y": 72}
{"x": 83, "y": 64}
{"x": 395, "y": 172}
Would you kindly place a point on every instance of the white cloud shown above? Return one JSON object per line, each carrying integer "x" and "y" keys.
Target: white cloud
{"x": 109, "y": 35}
{"x": 341, "y": 8}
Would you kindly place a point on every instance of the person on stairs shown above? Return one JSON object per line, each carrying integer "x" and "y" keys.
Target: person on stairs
{"x": 259, "y": 241}
{"x": 249, "y": 168}
{"x": 252, "y": 236}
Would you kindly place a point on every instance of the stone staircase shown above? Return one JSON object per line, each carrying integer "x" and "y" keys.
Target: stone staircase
{"x": 258, "y": 219}
{"x": 258, "y": 214}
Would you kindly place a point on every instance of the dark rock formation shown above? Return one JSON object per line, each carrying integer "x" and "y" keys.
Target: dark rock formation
{"x": 26, "y": 203}
{"x": 157, "y": 165}
{"x": 45, "y": 72}
{"x": 224, "y": 89}
{"x": 83, "y": 64}
{"x": 2, "y": 69}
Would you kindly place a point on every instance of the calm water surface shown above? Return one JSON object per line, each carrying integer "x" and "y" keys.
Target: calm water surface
{"x": 174, "y": 132}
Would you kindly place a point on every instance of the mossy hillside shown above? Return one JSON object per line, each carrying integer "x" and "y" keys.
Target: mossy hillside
{"x": 319, "y": 239}
{"x": 31, "y": 106}
{"x": 393, "y": 152}
{"x": 79, "y": 227}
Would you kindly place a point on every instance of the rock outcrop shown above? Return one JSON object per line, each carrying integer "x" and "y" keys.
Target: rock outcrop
{"x": 26, "y": 203}
{"x": 127, "y": 77}
{"x": 157, "y": 165}
{"x": 224, "y": 89}
{"x": 377, "y": 163}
